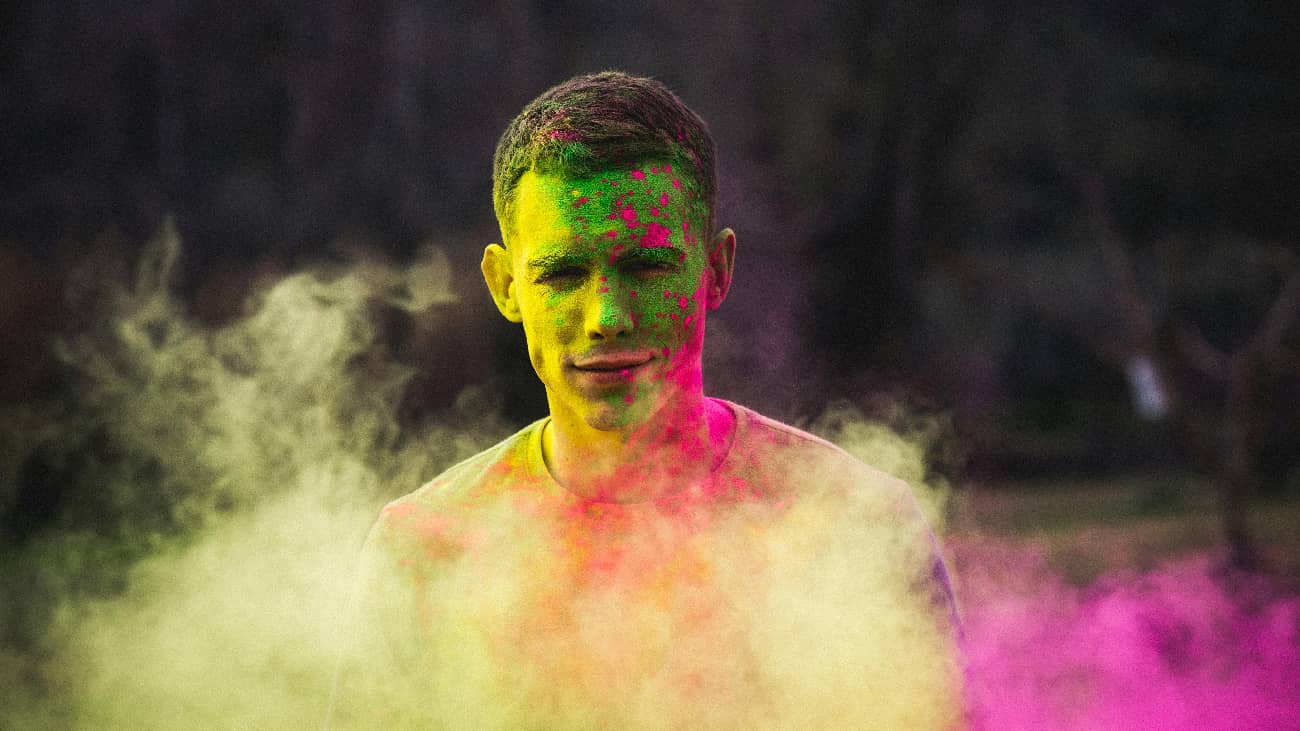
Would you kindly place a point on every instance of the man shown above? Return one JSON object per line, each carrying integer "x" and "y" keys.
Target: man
{"x": 644, "y": 556}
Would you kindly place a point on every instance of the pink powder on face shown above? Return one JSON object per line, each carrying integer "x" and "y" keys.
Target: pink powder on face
{"x": 638, "y": 175}
{"x": 656, "y": 237}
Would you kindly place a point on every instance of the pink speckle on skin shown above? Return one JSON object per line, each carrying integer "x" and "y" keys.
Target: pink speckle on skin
{"x": 682, "y": 303}
{"x": 628, "y": 398}
{"x": 663, "y": 199}
{"x": 654, "y": 210}
{"x": 611, "y": 234}
{"x": 629, "y": 215}
{"x": 677, "y": 184}
{"x": 563, "y": 134}
{"x": 580, "y": 201}
{"x": 632, "y": 293}
{"x": 668, "y": 168}
{"x": 656, "y": 237}
{"x": 667, "y": 352}
{"x": 603, "y": 290}
{"x": 667, "y": 294}
{"x": 638, "y": 175}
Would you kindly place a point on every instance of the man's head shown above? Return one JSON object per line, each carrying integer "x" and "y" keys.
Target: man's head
{"x": 604, "y": 189}
{"x": 599, "y": 122}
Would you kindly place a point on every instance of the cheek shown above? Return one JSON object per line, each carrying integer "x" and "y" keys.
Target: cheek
{"x": 672, "y": 315}
{"x": 550, "y": 321}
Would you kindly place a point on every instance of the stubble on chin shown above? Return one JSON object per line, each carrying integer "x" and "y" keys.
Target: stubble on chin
{"x": 613, "y": 414}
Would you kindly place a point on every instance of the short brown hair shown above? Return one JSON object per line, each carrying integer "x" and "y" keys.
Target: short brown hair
{"x": 598, "y": 122}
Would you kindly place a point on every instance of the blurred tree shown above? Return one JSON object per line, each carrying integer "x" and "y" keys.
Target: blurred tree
{"x": 913, "y": 183}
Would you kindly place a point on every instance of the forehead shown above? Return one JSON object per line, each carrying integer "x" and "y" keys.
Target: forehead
{"x": 648, "y": 204}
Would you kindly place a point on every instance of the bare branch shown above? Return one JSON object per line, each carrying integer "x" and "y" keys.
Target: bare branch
{"x": 1280, "y": 316}
{"x": 1200, "y": 354}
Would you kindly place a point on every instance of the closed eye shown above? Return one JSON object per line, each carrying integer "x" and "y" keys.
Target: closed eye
{"x": 561, "y": 274}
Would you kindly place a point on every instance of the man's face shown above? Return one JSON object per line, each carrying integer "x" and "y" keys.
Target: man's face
{"x": 610, "y": 275}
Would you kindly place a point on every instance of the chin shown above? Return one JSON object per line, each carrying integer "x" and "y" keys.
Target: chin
{"x": 608, "y": 417}
{"x": 619, "y": 414}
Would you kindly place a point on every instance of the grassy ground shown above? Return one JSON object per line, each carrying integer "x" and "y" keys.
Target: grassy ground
{"x": 1090, "y": 527}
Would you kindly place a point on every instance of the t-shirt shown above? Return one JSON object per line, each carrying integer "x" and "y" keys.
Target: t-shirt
{"x": 794, "y": 587}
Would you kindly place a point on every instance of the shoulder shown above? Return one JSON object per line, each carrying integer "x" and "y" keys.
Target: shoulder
{"x": 430, "y": 509}
{"x": 801, "y": 461}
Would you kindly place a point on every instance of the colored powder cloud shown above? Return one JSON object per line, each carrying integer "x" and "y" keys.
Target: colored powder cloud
{"x": 1178, "y": 646}
{"x": 269, "y": 453}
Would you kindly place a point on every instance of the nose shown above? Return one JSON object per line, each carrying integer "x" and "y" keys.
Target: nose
{"x": 607, "y": 314}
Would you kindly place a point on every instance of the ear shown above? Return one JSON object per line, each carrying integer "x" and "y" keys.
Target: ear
{"x": 721, "y": 261}
{"x": 499, "y": 274}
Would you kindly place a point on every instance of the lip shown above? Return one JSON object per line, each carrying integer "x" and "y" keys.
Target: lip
{"x": 612, "y": 362}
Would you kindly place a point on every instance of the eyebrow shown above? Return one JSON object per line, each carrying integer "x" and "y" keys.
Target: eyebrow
{"x": 552, "y": 260}
{"x": 557, "y": 260}
{"x": 655, "y": 255}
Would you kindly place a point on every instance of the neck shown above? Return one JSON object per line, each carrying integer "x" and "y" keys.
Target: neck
{"x": 674, "y": 449}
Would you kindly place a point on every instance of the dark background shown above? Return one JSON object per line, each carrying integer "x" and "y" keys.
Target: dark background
{"x": 986, "y": 211}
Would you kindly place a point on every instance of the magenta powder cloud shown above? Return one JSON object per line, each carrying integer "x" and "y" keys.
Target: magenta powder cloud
{"x": 1177, "y": 647}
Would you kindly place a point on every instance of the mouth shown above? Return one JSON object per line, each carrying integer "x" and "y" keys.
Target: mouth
{"x": 612, "y": 363}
